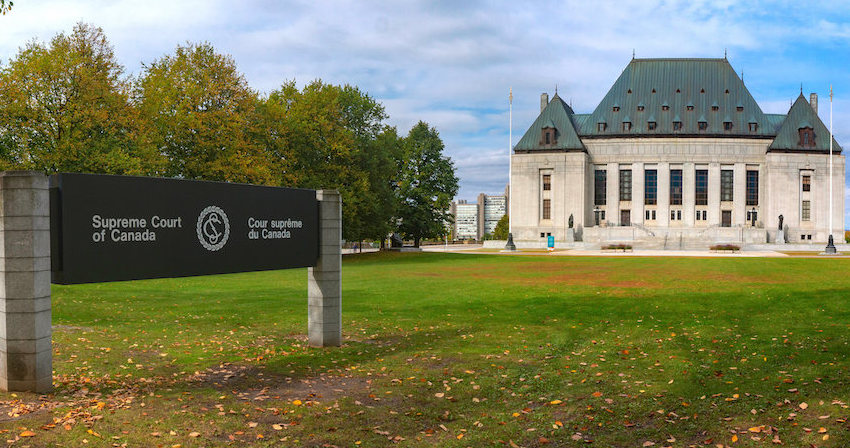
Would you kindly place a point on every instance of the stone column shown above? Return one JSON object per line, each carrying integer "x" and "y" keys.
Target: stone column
{"x": 714, "y": 194}
{"x": 739, "y": 194}
{"x": 26, "y": 362}
{"x": 637, "y": 193}
{"x": 663, "y": 194}
{"x": 689, "y": 194}
{"x": 324, "y": 281}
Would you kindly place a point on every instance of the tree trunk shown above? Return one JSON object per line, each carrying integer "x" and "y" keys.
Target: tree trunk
{"x": 416, "y": 242}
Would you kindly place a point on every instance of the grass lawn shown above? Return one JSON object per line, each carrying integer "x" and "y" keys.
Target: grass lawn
{"x": 457, "y": 350}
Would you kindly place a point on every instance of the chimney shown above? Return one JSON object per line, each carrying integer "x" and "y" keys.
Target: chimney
{"x": 544, "y": 101}
{"x": 813, "y": 100}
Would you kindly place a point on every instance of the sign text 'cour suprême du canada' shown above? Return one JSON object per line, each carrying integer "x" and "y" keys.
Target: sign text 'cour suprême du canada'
{"x": 107, "y": 228}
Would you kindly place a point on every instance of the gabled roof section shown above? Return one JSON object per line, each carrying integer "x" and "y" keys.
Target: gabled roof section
{"x": 559, "y": 115}
{"x": 800, "y": 116}
{"x": 678, "y": 83}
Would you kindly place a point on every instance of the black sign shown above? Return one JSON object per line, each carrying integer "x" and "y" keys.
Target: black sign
{"x": 107, "y": 228}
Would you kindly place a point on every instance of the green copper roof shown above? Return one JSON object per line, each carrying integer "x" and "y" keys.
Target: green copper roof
{"x": 699, "y": 82}
{"x": 557, "y": 114}
{"x": 800, "y": 116}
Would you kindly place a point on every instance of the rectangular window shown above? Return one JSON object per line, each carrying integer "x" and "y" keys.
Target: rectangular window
{"x": 677, "y": 125}
{"x": 650, "y": 184}
{"x": 726, "y": 183}
{"x": 625, "y": 185}
{"x": 547, "y": 209}
{"x": 547, "y": 182}
{"x": 752, "y": 187}
{"x": 807, "y": 183}
{"x": 806, "y": 212}
{"x": 699, "y": 216}
{"x": 600, "y": 191}
{"x": 675, "y": 187}
{"x": 702, "y": 187}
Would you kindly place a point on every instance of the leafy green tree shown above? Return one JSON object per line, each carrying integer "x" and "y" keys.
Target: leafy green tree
{"x": 426, "y": 185}
{"x": 66, "y": 107}
{"x": 6, "y": 6}
{"x": 501, "y": 230}
{"x": 328, "y": 136}
{"x": 204, "y": 117}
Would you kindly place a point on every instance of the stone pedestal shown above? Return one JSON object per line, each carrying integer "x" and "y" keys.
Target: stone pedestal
{"x": 324, "y": 281}
{"x": 26, "y": 362}
{"x": 571, "y": 235}
{"x": 780, "y": 237}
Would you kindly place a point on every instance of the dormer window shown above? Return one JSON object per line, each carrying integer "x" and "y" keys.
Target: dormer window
{"x": 702, "y": 125}
{"x": 640, "y": 107}
{"x": 715, "y": 107}
{"x": 651, "y": 125}
{"x": 665, "y": 106}
{"x": 690, "y": 106}
{"x": 548, "y": 136}
{"x": 739, "y": 108}
{"x": 727, "y": 125}
{"x": 627, "y": 126}
{"x": 701, "y": 90}
{"x": 615, "y": 108}
{"x": 600, "y": 127}
{"x": 754, "y": 127}
{"x": 677, "y": 125}
{"x": 807, "y": 137}
{"x": 678, "y": 91}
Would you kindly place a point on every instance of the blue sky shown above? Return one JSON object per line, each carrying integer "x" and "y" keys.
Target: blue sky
{"x": 451, "y": 63}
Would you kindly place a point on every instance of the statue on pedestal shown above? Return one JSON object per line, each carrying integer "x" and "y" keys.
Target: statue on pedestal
{"x": 571, "y": 221}
{"x": 781, "y": 218}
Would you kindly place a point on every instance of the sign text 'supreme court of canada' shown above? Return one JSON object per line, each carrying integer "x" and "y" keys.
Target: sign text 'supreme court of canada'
{"x": 107, "y": 228}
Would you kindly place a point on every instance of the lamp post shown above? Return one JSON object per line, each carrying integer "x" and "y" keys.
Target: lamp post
{"x": 830, "y": 245}
{"x": 510, "y": 246}
{"x": 596, "y": 215}
{"x": 753, "y": 217}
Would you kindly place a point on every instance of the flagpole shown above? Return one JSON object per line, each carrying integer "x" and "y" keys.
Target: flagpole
{"x": 510, "y": 246}
{"x": 830, "y": 245}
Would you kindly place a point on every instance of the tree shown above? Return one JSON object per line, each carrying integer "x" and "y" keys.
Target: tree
{"x": 66, "y": 107}
{"x": 204, "y": 117}
{"x": 328, "y": 136}
{"x": 501, "y": 230}
{"x": 426, "y": 185}
{"x": 6, "y": 6}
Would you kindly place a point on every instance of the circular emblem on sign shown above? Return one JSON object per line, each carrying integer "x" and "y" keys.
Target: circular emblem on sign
{"x": 213, "y": 228}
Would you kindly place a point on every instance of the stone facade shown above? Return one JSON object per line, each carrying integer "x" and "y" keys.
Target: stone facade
{"x": 739, "y": 175}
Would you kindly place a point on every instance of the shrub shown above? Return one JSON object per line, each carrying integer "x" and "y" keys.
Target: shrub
{"x": 731, "y": 247}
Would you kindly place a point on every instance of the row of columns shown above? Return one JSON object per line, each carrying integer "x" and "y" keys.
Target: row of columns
{"x": 737, "y": 206}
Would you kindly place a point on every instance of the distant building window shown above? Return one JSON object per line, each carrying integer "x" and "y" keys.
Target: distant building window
{"x": 665, "y": 107}
{"x": 650, "y": 187}
{"x": 678, "y": 91}
{"x": 650, "y": 215}
{"x": 752, "y": 187}
{"x": 752, "y": 215}
{"x": 701, "y": 193}
{"x": 547, "y": 182}
{"x": 600, "y": 188}
{"x": 807, "y": 183}
{"x": 726, "y": 183}
{"x": 616, "y": 108}
{"x": 715, "y": 107}
{"x": 690, "y": 107}
{"x": 806, "y": 211}
{"x": 701, "y": 90}
{"x": 677, "y": 125}
{"x": 727, "y": 126}
{"x": 807, "y": 137}
{"x": 625, "y": 185}
{"x": 675, "y": 187}
{"x": 740, "y": 108}
{"x": 640, "y": 107}
{"x": 547, "y": 209}
{"x": 651, "y": 125}
{"x": 703, "y": 125}
{"x": 754, "y": 127}
{"x": 627, "y": 126}
{"x": 600, "y": 127}
{"x": 702, "y": 215}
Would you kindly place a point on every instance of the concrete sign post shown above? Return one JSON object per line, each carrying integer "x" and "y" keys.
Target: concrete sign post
{"x": 25, "y": 334}
{"x": 83, "y": 228}
{"x": 324, "y": 281}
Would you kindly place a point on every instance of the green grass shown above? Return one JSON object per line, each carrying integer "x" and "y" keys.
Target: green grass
{"x": 457, "y": 350}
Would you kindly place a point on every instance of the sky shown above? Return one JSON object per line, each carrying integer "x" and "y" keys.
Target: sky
{"x": 452, "y": 63}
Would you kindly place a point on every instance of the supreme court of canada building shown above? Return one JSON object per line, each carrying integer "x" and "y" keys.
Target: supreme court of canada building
{"x": 679, "y": 152}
